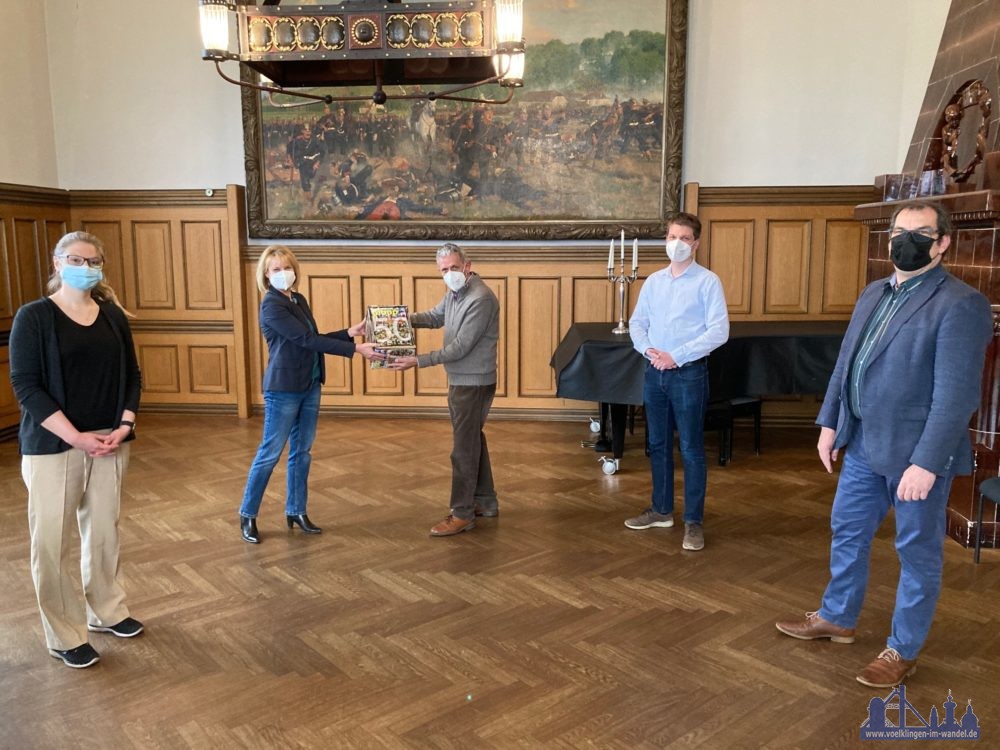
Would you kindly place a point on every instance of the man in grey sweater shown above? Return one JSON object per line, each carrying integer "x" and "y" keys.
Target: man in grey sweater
{"x": 470, "y": 314}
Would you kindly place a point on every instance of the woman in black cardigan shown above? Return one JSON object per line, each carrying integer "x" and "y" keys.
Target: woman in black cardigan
{"x": 75, "y": 375}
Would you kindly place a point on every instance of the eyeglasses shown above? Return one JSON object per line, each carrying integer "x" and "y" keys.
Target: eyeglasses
{"x": 929, "y": 233}
{"x": 79, "y": 260}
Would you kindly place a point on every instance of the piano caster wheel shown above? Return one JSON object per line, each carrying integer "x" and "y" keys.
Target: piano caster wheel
{"x": 608, "y": 465}
{"x": 595, "y": 424}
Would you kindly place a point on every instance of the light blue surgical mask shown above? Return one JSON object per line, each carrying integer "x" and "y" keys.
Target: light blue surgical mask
{"x": 83, "y": 278}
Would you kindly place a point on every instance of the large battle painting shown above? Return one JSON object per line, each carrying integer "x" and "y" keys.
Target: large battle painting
{"x": 581, "y": 146}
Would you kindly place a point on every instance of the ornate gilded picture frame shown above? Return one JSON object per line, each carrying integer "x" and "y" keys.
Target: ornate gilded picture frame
{"x": 591, "y": 145}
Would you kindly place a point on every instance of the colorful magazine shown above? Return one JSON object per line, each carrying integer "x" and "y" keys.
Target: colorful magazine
{"x": 388, "y": 327}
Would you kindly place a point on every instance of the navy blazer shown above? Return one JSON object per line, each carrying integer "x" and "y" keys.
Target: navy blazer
{"x": 923, "y": 379}
{"x": 292, "y": 342}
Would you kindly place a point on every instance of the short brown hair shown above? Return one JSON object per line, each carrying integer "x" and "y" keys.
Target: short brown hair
{"x": 685, "y": 220}
{"x": 944, "y": 225}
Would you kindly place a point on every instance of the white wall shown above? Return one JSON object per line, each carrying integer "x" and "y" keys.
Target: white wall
{"x": 134, "y": 105}
{"x": 805, "y": 92}
{"x": 27, "y": 142}
{"x": 780, "y": 92}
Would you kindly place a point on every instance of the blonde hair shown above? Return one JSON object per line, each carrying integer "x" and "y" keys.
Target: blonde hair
{"x": 275, "y": 251}
{"x": 103, "y": 291}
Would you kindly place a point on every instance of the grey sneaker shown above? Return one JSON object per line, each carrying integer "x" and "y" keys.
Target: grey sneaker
{"x": 694, "y": 537}
{"x": 649, "y": 518}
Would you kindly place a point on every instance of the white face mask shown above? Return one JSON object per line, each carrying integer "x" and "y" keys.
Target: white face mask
{"x": 282, "y": 280}
{"x": 454, "y": 280}
{"x": 678, "y": 250}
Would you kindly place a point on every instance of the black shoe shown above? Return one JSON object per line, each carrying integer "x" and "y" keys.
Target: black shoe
{"x": 303, "y": 522}
{"x": 80, "y": 657}
{"x": 248, "y": 526}
{"x": 127, "y": 628}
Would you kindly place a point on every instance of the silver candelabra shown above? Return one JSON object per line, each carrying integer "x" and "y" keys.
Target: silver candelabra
{"x": 622, "y": 279}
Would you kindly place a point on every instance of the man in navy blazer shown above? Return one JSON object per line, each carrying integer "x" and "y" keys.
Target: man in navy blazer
{"x": 905, "y": 386}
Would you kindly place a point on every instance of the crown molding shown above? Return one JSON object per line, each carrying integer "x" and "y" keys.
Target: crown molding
{"x": 799, "y": 195}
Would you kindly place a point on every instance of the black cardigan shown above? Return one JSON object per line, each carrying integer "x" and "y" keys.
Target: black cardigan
{"x": 37, "y": 378}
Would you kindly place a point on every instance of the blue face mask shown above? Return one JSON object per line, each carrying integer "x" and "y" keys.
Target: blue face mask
{"x": 83, "y": 278}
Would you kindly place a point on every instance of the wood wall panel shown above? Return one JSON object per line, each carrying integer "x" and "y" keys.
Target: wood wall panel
{"x": 7, "y": 301}
{"x": 731, "y": 258}
{"x": 330, "y": 300}
{"x": 54, "y": 231}
{"x": 786, "y": 288}
{"x": 178, "y": 261}
{"x": 9, "y": 413}
{"x": 208, "y": 368}
{"x": 28, "y": 251}
{"x": 160, "y": 365}
{"x": 594, "y": 300}
{"x": 539, "y": 335}
{"x": 427, "y": 293}
{"x": 204, "y": 265}
{"x": 845, "y": 254}
{"x": 377, "y": 290}
{"x": 154, "y": 265}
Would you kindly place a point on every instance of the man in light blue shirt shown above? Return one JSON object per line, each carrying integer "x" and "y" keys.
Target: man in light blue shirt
{"x": 679, "y": 319}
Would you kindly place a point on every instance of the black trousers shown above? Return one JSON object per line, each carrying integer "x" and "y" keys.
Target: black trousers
{"x": 471, "y": 473}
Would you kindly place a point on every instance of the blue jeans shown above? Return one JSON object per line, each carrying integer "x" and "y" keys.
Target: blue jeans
{"x": 676, "y": 399}
{"x": 291, "y": 418}
{"x": 862, "y": 501}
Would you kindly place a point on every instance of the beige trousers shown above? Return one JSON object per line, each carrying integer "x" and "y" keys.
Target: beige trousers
{"x": 60, "y": 486}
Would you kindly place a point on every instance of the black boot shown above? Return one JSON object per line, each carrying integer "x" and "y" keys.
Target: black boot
{"x": 303, "y": 522}
{"x": 248, "y": 527}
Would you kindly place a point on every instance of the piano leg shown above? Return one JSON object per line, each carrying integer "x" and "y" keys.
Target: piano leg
{"x": 603, "y": 444}
{"x": 619, "y": 419}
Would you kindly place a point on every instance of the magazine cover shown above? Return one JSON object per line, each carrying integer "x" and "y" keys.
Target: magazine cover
{"x": 388, "y": 327}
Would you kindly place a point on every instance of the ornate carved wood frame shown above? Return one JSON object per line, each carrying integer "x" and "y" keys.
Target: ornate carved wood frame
{"x": 262, "y": 225}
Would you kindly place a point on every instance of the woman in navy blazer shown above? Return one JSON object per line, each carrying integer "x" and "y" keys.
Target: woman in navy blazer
{"x": 295, "y": 371}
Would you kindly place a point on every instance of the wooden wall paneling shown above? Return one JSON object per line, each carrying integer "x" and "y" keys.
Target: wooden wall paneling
{"x": 187, "y": 369}
{"x": 499, "y": 287}
{"x": 593, "y": 299}
{"x": 330, "y": 300}
{"x": 382, "y": 290}
{"x": 204, "y": 268}
{"x": 9, "y": 413}
{"x": 209, "y": 370}
{"x": 153, "y": 251}
{"x": 115, "y": 267}
{"x": 427, "y": 293}
{"x": 257, "y": 351}
{"x": 160, "y": 365}
{"x": 54, "y": 231}
{"x": 786, "y": 259}
{"x": 240, "y": 291}
{"x": 730, "y": 253}
{"x": 6, "y": 279}
{"x": 843, "y": 265}
{"x": 539, "y": 335}
{"x": 27, "y": 246}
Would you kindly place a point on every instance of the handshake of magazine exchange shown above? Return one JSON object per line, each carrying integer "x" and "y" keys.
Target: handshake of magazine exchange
{"x": 388, "y": 327}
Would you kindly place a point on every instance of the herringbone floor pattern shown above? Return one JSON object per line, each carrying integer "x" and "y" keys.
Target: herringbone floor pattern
{"x": 552, "y": 626}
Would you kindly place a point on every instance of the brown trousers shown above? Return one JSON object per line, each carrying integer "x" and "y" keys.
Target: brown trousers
{"x": 471, "y": 472}
{"x": 60, "y": 486}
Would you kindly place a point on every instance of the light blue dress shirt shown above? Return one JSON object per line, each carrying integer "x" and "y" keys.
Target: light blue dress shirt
{"x": 685, "y": 316}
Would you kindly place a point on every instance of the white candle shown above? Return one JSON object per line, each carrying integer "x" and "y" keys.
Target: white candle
{"x": 623, "y": 249}
{"x": 635, "y": 253}
{"x": 611, "y": 256}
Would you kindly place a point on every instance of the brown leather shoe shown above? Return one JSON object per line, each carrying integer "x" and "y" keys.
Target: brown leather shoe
{"x": 452, "y": 525}
{"x": 887, "y": 670}
{"x": 814, "y": 627}
{"x": 487, "y": 512}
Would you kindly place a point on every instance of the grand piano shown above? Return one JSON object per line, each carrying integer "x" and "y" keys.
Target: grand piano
{"x": 759, "y": 359}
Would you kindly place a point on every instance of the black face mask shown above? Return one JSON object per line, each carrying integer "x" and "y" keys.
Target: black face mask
{"x": 911, "y": 251}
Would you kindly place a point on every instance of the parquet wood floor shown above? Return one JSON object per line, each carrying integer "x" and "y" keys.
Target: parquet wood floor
{"x": 552, "y": 626}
